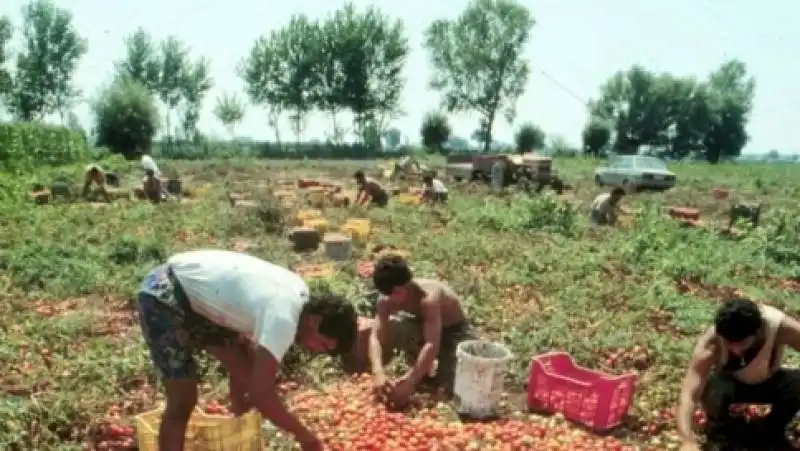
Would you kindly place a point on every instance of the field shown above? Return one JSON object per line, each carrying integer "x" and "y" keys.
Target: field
{"x": 532, "y": 273}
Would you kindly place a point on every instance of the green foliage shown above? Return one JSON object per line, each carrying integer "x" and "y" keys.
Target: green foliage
{"x": 25, "y": 145}
{"x": 6, "y": 82}
{"x": 435, "y": 131}
{"x": 522, "y": 214}
{"x": 350, "y": 61}
{"x": 676, "y": 116}
{"x": 478, "y": 62}
{"x": 529, "y": 137}
{"x": 127, "y": 118}
{"x": 596, "y": 136}
{"x": 230, "y": 111}
{"x": 44, "y": 69}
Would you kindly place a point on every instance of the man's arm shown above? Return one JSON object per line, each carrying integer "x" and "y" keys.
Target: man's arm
{"x": 432, "y": 334}
{"x": 694, "y": 383}
{"x": 264, "y": 397}
{"x": 376, "y": 337}
{"x": 789, "y": 332}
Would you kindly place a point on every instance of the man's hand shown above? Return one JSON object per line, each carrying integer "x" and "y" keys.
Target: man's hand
{"x": 311, "y": 444}
{"x": 401, "y": 392}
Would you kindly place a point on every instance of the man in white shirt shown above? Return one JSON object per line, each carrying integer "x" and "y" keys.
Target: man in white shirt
{"x": 433, "y": 189}
{"x": 245, "y": 312}
{"x": 605, "y": 207}
{"x": 149, "y": 164}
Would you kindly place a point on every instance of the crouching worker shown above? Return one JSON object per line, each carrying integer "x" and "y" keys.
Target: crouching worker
{"x": 370, "y": 190}
{"x": 152, "y": 186}
{"x": 606, "y": 207}
{"x": 430, "y": 321}
{"x": 95, "y": 176}
{"x": 433, "y": 190}
{"x": 737, "y": 362}
{"x": 246, "y": 313}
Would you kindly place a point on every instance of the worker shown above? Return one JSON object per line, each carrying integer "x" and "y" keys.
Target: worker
{"x": 152, "y": 187}
{"x": 370, "y": 190}
{"x": 246, "y": 313}
{"x": 433, "y": 189}
{"x": 436, "y": 324}
{"x": 737, "y": 361}
{"x": 149, "y": 164}
{"x": 407, "y": 165}
{"x": 95, "y": 176}
{"x": 605, "y": 207}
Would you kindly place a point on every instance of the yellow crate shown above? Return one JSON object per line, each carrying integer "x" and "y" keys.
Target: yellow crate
{"x": 409, "y": 199}
{"x": 304, "y": 215}
{"x": 358, "y": 229}
{"x": 318, "y": 271}
{"x": 320, "y": 225}
{"x": 205, "y": 432}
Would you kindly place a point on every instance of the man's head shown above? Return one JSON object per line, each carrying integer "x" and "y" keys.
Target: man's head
{"x": 328, "y": 324}
{"x": 617, "y": 194}
{"x": 360, "y": 176}
{"x": 392, "y": 277}
{"x": 737, "y": 322}
{"x": 427, "y": 179}
{"x": 150, "y": 173}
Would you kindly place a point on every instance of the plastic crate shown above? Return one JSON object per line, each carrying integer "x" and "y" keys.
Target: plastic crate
{"x": 320, "y": 225}
{"x": 304, "y": 215}
{"x": 205, "y": 432}
{"x": 358, "y": 229}
{"x": 594, "y": 399}
{"x": 409, "y": 199}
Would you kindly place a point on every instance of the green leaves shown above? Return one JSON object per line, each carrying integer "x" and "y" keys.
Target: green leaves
{"x": 44, "y": 69}
{"x": 677, "y": 116}
{"x": 229, "y": 110}
{"x": 127, "y": 117}
{"x": 529, "y": 137}
{"x": 350, "y": 61}
{"x": 478, "y": 59}
{"x": 435, "y": 131}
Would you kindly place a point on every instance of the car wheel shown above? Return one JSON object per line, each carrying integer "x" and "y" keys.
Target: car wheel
{"x": 598, "y": 180}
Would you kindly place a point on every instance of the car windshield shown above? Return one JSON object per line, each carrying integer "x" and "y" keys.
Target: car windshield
{"x": 650, "y": 163}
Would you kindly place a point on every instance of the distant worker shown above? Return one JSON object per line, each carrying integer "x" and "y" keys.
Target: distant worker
{"x": 433, "y": 190}
{"x": 152, "y": 187}
{"x": 97, "y": 177}
{"x": 149, "y": 164}
{"x": 407, "y": 165}
{"x": 370, "y": 190}
{"x": 606, "y": 207}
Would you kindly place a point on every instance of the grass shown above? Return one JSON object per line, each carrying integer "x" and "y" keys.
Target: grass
{"x": 531, "y": 272}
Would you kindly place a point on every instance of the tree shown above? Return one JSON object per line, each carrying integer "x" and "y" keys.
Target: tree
{"x": 392, "y": 137}
{"x": 596, "y": 136}
{"x": 172, "y": 62}
{"x": 141, "y": 61}
{"x": 529, "y": 137}
{"x": 195, "y": 84}
{"x": 45, "y": 67}
{"x": 260, "y": 71}
{"x": 435, "y": 131}
{"x": 733, "y": 91}
{"x": 478, "y": 59}
{"x": 6, "y": 85}
{"x": 230, "y": 111}
{"x": 126, "y": 117}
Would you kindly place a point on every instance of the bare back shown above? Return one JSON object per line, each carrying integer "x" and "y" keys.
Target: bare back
{"x": 448, "y": 300}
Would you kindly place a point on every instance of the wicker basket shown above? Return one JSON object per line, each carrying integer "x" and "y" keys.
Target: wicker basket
{"x": 205, "y": 432}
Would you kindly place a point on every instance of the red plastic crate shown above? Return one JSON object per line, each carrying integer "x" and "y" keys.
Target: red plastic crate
{"x": 594, "y": 399}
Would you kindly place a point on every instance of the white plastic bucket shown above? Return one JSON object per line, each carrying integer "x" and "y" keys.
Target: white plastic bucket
{"x": 480, "y": 374}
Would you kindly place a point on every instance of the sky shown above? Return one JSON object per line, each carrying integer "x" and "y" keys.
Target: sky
{"x": 574, "y": 47}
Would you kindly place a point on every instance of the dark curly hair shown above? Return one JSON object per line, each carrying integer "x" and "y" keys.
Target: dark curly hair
{"x": 359, "y": 175}
{"x": 427, "y": 178}
{"x": 737, "y": 319}
{"x": 338, "y": 319}
{"x": 618, "y": 192}
{"x": 391, "y": 271}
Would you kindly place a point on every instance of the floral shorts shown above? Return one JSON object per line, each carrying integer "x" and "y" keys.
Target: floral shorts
{"x": 172, "y": 330}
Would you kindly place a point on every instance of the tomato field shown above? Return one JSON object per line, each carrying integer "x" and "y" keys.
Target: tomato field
{"x": 74, "y": 370}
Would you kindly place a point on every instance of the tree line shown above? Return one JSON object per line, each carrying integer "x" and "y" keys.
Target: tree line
{"x": 352, "y": 61}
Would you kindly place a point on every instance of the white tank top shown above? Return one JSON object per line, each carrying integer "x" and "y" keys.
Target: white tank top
{"x": 762, "y": 367}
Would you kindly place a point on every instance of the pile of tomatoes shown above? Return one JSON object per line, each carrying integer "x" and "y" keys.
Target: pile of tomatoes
{"x": 347, "y": 417}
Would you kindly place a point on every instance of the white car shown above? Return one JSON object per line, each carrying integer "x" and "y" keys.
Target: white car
{"x": 636, "y": 171}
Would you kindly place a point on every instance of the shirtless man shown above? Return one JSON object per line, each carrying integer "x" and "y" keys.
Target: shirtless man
{"x": 95, "y": 175}
{"x": 370, "y": 189}
{"x": 738, "y": 361}
{"x": 432, "y": 311}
